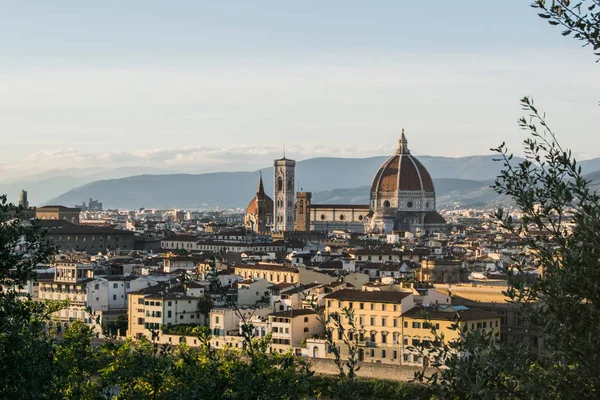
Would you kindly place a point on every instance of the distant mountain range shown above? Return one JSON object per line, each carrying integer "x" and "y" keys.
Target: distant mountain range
{"x": 462, "y": 180}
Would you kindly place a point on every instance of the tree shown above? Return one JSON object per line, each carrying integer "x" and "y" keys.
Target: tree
{"x": 564, "y": 301}
{"x": 580, "y": 19}
{"x": 76, "y": 362}
{"x": 25, "y": 348}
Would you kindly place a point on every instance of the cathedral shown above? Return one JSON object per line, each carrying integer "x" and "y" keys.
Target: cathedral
{"x": 402, "y": 198}
{"x": 259, "y": 213}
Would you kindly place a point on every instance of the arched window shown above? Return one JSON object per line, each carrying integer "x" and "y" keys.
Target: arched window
{"x": 279, "y": 184}
{"x": 301, "y": 205}
{"x": 386, "y": 204}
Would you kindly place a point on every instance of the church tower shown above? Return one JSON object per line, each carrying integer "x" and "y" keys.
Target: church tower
{"x": 259, "y": 213}
{"x": 283, "y": 210}
{"x": 302, "y": 223}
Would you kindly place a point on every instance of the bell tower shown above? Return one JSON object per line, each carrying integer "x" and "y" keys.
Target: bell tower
{"x": 283, "y": 201}
{"x": 302, "y": 222}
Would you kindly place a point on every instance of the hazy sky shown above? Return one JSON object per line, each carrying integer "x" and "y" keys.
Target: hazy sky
{"x": 190, "y": 85}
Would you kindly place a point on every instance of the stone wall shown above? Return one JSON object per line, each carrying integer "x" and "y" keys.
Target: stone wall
{"x": 367, "y": 370}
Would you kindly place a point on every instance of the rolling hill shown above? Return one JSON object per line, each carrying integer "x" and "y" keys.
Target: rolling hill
{"x": 463, "y": 181}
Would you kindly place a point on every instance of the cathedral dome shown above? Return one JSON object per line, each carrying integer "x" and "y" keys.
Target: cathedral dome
{"x": 253, "y": 206}
{"x": 402, "y": 172}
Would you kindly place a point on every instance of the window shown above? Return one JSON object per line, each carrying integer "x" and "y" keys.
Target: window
{"x": 181, "y": 316}
{"x": 416, "y": 325}
{"x": 114, "y": 296}
{"x": 305, "y": 319}
{"x": 372, "y": 306}
{"x": 350, "y": 305}
{"x": 279, "y": 184}
{"x": 323, "y": 217}
{"x": 372, "y": 353}
{"x": 115, "y": 285}
{"x": 382, "y": 353}
{"x": 372, "y": 321}
{"x": 383, "y": 321}
{"x": 342, "y": 217}
{"x": 216, "y": 319}
{"x": 406, "y": 324}
{"x": 395, "y": 322}
{"x": 395, "y": 354}
{"x": 305, "y": 329}
{"x": 301, "y": 205}
{"x": 328, "y": 301}
{"x": 383, "y": 338}
{"x": 169, "y": 303}
{"x": 339, "y": 335}
{"x": 360, "y": 320}
{"x": 372, "y": 337}
{"x": 386, "y": 204}
{"x": 415, "y": 342}
{"x": 361, "y": 306}
{"x": 383, "y": 307}
{"x": 395, "y": 307}
{"x": 405, "y": 341}
{"x": 169, "y": 314}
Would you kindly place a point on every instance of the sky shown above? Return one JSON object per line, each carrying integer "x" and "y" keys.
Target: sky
{"x": 194, "y": 86}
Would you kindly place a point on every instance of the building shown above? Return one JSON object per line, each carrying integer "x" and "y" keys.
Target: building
{"x": 417, "y": 326}
{"x": 91, "y": 239}
{"x": 303, "y": 206}
{"x": 402, "y": 198}
{"x": 58, "y": 213}
{"x": 514, "y": 327}
{"x": 93, "y": 205}
{"x": 252, "y": 291}
{"x": 391, "y": 325}
{"x": 259, "y": 213}
{"x": 378, "y": 318}
{"x": 23, "y": 202}
{"x": 403, "y": 195}
{"x": 283, "y": 210}
{"x": 75, "y": 282}
{"x": 346, "y": 217}
{"x": 154, "y": 307}
{"x": 271, "y": 272}
{"x": 442, "y": 271}
{"x": 289, "y": 328}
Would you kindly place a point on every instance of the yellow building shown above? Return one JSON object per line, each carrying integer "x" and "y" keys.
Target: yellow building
{"x": 272, "y": 273}
{"x": 418, "y": 322}
{"x": 390, "y": 323}
{"x": 378, "y": 319}
{"x": 156, "y": 306}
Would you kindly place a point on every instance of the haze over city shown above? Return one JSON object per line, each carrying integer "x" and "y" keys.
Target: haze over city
{"x": 204, "y": 86}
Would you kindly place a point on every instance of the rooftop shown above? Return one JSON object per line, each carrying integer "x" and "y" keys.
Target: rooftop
{"x": 375, "y": 297}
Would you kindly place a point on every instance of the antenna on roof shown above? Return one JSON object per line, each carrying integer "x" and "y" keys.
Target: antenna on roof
{"x": 283, "y": 149}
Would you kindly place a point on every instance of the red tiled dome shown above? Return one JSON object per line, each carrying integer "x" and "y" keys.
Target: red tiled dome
{"x": 402, "y": 172}
{"x": 253, "y": 206}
